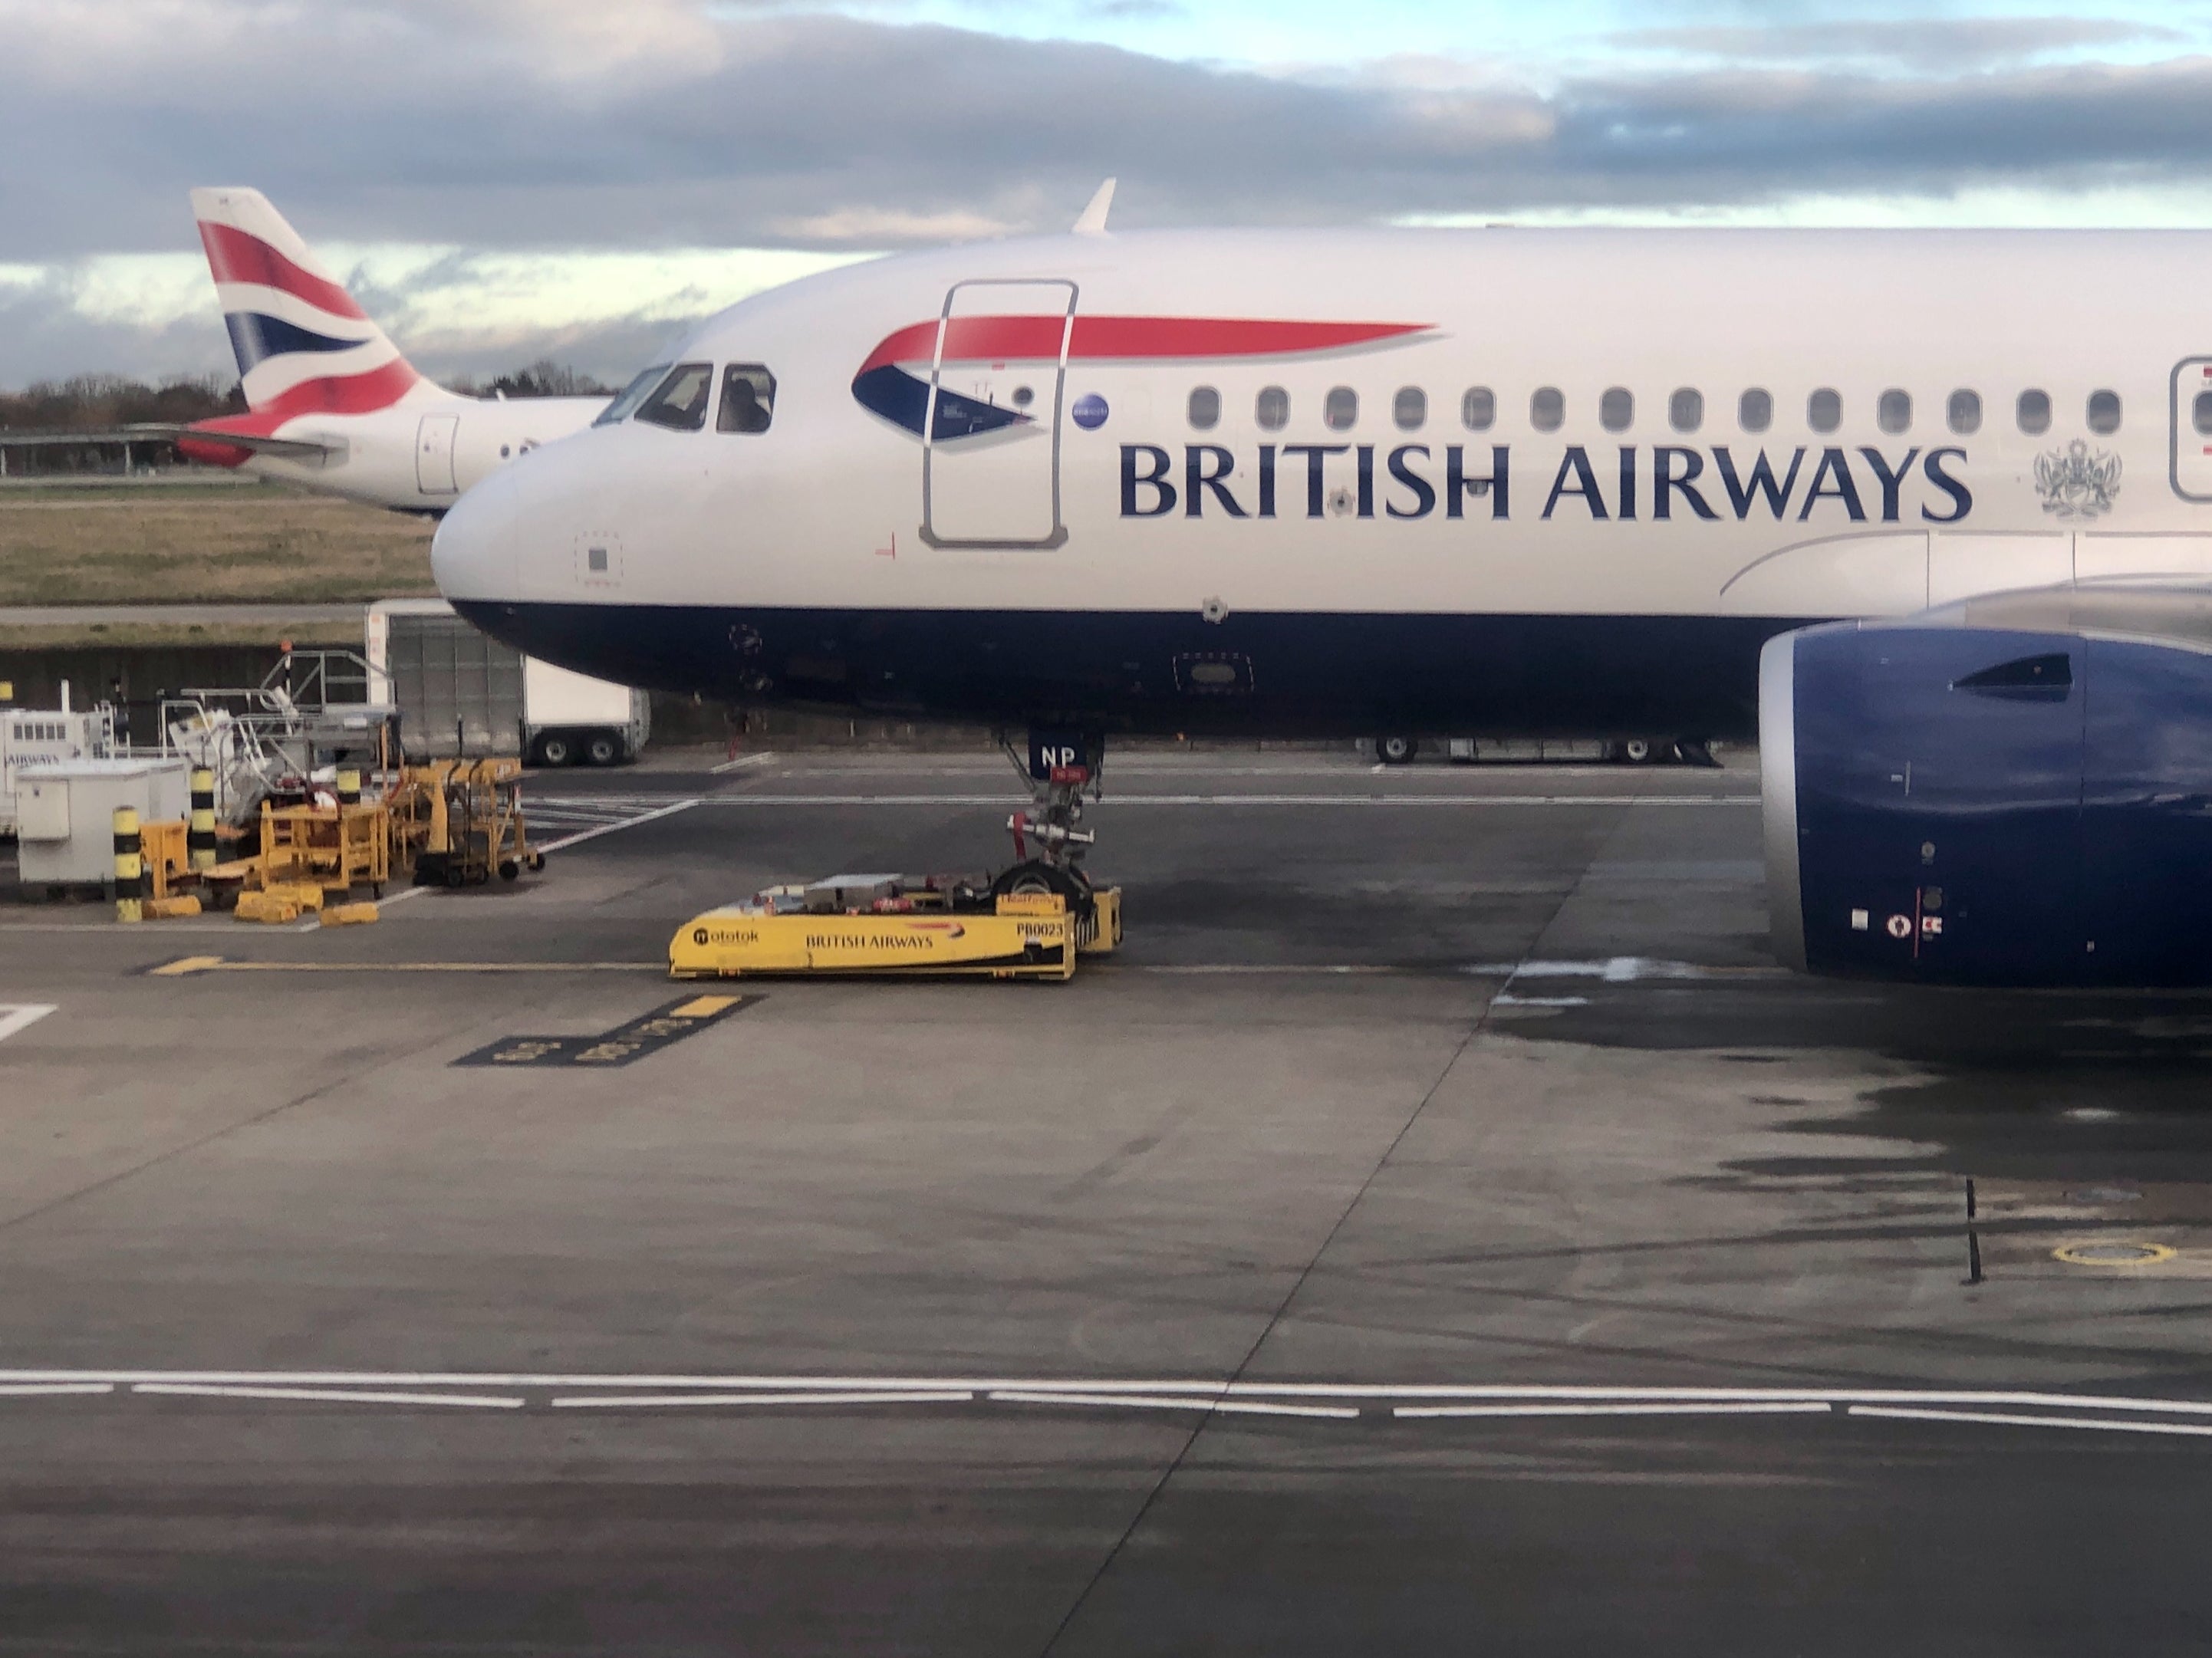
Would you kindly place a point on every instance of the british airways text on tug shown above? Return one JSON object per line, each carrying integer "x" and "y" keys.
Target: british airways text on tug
{"x": 1300, "y": 483}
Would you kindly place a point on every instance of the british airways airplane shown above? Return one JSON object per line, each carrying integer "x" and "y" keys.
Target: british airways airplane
{"x": 331, "y": 403}
{"x": 1928, "y": 514}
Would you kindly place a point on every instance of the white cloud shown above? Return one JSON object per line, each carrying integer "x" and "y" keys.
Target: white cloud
{"x": 504, "y": 171}
{"x": 453, "y": 312}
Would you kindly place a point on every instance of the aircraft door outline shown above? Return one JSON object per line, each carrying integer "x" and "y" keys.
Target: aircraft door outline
{"x": 2189, "y": 454}
{"x": 434, "y": 455}
{"x": 996, "y": 488}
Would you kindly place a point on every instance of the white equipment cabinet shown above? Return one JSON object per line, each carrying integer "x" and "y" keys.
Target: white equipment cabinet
{"x": 65, "y": 814}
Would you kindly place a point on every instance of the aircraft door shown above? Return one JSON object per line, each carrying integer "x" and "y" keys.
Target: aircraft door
{"x": 433, "y": 454}
{"x": 2191, "y": 464}
{"x": 990, "y": 457}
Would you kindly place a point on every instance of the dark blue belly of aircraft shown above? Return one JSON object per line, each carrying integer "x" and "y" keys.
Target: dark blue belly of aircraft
{"x": 1255, "y": 674}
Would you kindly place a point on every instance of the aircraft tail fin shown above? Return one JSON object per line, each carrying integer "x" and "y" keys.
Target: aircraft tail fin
{"x": 303, "y": 345}
{"x": 1092, "y": 222}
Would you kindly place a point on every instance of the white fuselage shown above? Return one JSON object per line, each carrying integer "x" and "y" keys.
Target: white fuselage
{"x": 1886, "y": 497}
{"x": 420, "y": 456}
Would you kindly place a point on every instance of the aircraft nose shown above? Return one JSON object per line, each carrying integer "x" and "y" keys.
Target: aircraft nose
{"x": 473, "y": 555}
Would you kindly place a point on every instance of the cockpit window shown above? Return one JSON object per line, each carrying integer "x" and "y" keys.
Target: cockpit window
{"x": 748, "y": 398}
{"x": 625, "y": 405}
{"x": 679, "y": 402}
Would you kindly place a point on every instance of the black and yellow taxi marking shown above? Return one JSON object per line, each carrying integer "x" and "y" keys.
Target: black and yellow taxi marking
{"x": 647, "y": 1034}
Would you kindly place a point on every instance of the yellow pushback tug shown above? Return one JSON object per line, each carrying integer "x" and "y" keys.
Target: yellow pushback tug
{"x": 931, "y": 926}
{"x": 1032, "y": 922}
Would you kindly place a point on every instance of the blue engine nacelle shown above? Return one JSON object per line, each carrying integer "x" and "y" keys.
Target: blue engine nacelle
{"x": 1981, "y": 805}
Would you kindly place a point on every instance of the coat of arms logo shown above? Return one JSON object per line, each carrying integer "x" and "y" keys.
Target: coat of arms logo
{"x": 2076, "y": 483}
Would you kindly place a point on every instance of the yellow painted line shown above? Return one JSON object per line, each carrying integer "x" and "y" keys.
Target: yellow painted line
{"x": 2089, "y": 1253}
{"x": 704, "y": 1007}
{"x": 177, "y": 970}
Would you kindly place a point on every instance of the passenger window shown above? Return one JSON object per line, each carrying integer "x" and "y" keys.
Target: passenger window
{"x": 1339, "y": 411}
{"x": 1478, "y": 409}
{"x": 626, "y": 401}
{"x": 2104, "y": 413}
{"x": 1754, "y": 411}
{"x": 1686, "y": 410}
{"x": 1965, "y": 413}
{"x": 748, "y": 398}
{"x": 1824, "y": 409}
{"x": 1410, "y": 407}
{"x": 2034, "y": 412}
{"x": 1205, "y": 408}
{"x": 1892, "y": 411}
{"x": 679, "y": 402}
{"x": 1547, "y": 407}
{"x": 1271, "y": 409}
{"x": 1616, "y": 408}
{"x": 2200, "y": 413}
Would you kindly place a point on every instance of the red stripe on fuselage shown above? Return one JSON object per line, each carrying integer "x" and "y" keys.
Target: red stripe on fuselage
{"x": 1002, "y": 339}
{"x": 236, "y": 256}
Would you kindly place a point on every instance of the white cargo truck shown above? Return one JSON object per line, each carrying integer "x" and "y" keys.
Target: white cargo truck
{"x": 461, "y": 693}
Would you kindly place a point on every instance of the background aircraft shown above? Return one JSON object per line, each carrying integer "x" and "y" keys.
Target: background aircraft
{"x": 331, "y": 403}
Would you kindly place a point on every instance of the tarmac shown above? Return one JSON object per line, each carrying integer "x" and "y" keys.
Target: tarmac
{"x": 1443, "y": 1228}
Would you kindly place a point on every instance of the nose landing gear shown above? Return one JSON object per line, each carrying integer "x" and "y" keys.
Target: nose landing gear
{"x": 1049, "y": 841}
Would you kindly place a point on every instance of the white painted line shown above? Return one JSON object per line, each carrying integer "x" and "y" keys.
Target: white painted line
{"x": 328, "y": 1396}
{"x": 625, "y": 1402}
{"x": 20, "y": 1016}
{"x": 1191, "y": 1392}
{"x": 1501, "y": 999}
{"x": 1158, "y": 1402}
{"x": 1776, "y": 1408}
{"x": 1722, "y": 1395}
{"x": 743, "y": 761}
{"x": 2008, "y": 1419}
{"x": 609, "y": 828}
{"x": 57, "y": 1387}
{"x": 1113, "y": 799}
{"x": 1613, "y": 969}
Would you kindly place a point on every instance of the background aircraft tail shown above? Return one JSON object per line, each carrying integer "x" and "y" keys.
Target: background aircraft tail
{"x": 303, "y": 346}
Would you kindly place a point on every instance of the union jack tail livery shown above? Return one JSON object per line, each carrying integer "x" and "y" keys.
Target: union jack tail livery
{"x": 304, "y": 347}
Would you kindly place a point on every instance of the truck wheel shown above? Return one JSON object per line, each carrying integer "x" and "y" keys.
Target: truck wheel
{"x": 556, "y": 750}
{"x": 1397, "y": 750}
{"x": 602, "y": 748}
{"x": 1637, "y": 751}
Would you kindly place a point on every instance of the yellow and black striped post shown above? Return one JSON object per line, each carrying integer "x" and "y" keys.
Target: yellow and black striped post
{"x": 130, "y": 868}
{"x": 349, "y": 786}
{"x": 200, "y": 829}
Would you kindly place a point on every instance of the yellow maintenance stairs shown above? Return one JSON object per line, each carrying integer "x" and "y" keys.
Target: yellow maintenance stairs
{"x": 897, "y": 925}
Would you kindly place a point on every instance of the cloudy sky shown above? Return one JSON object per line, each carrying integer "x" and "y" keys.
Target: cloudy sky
{"x": 505, "y": 178}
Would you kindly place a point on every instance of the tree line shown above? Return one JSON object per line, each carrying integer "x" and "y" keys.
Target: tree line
{"x": 87, "y": 403}
{"x": 103, "y": 403}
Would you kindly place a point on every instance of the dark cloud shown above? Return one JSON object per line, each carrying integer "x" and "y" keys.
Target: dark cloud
{"x": 490, "y": 123}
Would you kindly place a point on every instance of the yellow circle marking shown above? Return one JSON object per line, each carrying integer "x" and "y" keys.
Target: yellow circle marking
{"x": 2095, "y": 1252}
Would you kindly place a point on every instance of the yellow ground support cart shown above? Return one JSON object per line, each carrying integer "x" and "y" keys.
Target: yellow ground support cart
{"x": 458, "y": 822}
{"x": 873, "y": 926}
{"x": 336, "y": 847}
